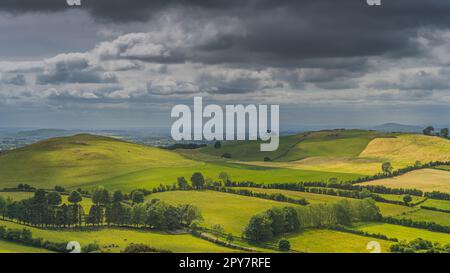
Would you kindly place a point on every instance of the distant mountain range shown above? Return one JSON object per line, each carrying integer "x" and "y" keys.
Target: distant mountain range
{"x": 397, "y": 127}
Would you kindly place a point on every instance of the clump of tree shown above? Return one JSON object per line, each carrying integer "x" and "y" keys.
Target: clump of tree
{"x": 407, "y": 198}
{"x": 428, "y": 131}
{"x": 44, "y": 210}
{"x": 198, "y": 181}
{"x": 419, "y": 246}
{"x": 277, "y": 221}
{"x": 284, "y": 245}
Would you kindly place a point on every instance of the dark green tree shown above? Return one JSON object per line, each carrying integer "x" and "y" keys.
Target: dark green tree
{"x": 198, "y": 181}
{"x": 284, "y": 245}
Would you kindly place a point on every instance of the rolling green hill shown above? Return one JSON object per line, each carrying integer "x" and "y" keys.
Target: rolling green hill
{"x": 299, "y": 146}
{"x": 89, "y": 161}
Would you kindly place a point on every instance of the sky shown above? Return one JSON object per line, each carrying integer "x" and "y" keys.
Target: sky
{"x": 125, "y": 64}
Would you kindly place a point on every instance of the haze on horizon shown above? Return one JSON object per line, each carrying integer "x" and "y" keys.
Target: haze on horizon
{"x": 117, "y": 64}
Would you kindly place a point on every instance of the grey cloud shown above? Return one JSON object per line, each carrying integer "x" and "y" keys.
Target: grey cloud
{"x": 18, "y": 79}
{"x": 421, "y": 80}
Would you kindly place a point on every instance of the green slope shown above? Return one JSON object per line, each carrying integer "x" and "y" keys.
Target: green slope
{"x": 88, "y": 161}
{"x": 343, "y": 143}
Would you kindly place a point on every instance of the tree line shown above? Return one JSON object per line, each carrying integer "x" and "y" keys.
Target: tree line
{"x": 278, "y": 221}
{"x": 432, "y": 226}
{"x": 45, "y": 210}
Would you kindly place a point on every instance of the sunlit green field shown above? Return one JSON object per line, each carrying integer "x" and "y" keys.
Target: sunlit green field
{"x": 385, "y": 208}
{"x": 153, "y": 177}
{"x": 395, "y": 197}
{"x": 89, "y": 161}
{"x": 330, "y": 241}
{"x": 341, "y": 143}
{"x": 439, "y": 204}
{"x": 425, "y": 179}
{"x": 123, "y": 237}
{"x": 231, "y": 211}
{"x": 404, "y": 233}
{"x": 440, "y": 218}
{"x": 10, "y": 247}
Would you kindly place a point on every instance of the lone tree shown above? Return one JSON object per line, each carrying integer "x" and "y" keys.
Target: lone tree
{"x": 198, "y": 181}
{"x": 428, "y": 131}
{"x": 407, "y": 198}
{"x": 386, "y": 167}
{"x": 284, "y": 245}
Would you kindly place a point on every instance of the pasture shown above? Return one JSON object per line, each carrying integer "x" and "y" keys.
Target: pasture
{"x": 107, "y": 237}
{"x": 425, "y": 179}
{"x": 11, "y": 247}
{"x": 404, "y": 233}
{"x": 330, "y": 241}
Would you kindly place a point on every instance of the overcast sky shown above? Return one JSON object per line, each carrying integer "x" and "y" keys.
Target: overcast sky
{"x": 122, "y": 64}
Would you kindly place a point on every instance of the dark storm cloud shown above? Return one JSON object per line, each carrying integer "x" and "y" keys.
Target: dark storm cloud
{"x": 279, "y": 33}
{"x": 60, "y": 77}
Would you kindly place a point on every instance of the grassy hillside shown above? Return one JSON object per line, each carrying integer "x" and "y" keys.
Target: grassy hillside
{"x": 405, "y": 149}
{"x": 341, "y": 143}
{"x": 80, "y": 159}
{"x": 425, "y": 179}
{"x": 360, "y": 152}
{"x": 89, "y": 161}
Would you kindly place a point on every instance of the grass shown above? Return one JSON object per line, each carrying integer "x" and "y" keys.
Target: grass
{"x": 11, "y": 247}
{"x": 123, "y": 237}
{"x": 231, "y": 211}
{"x": 16, "y": 196}
{"x": 440, "y": 218}
{"x": 330, "y": 241}
{"x": 338, "y": 143}
{"x": 404, "y": 233}
{"x": 425, "y": 180}
{"x": 89, "y": 161}
{"x": 385, "y": 208}
{"x": 397, "y": 197}
{"x": 250, "y": 150}
{"x": 440, "y": 204}
{"x": 299, "y": 146}
{"x": 406, "y": 149}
